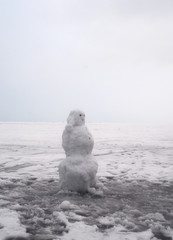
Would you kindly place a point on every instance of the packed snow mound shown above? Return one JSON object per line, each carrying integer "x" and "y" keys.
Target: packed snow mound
{"x": 78, "y": 171}
{"x": 76, "y": 118}
{"x": 77, "y": 140}
{"x": 66, "y": 205}
{"x": 10, "y": 224}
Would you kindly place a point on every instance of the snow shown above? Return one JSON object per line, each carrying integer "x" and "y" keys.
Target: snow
{"x": 30, "y": 153}
{"x": 61, "y": 217}
{"x": 78, "y": 171}
{"x": 123, "y": 151}
{"x": 154, "y": 216}
{"x": 81, "y": 231}
{"x": 10, "y": 223}
{"x": 66, "y": 205}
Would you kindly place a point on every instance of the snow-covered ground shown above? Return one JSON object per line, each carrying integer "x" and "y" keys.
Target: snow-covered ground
{"x": 135, "y": 168}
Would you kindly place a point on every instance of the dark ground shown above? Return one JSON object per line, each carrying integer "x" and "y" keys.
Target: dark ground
{"x": 38, "y": 199}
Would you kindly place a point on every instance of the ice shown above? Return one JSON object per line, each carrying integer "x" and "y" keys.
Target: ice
{"x": 78, "y": 171}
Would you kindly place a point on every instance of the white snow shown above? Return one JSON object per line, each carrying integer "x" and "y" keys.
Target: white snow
{"x": 125, "y": 152}
{"x": 80, "y": 231}
{"x": 153, "y": 216}
{"x": 11, "y": 226}
{"x": 122, "y": 151}
{"x": 78, "y": 170}
{"x": 61, "y": 217}
{"x": 66, "y": 205}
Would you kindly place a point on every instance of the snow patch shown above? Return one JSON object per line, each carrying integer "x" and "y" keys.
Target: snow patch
{"x": 11, "y": 226}
{"x": 66, "y": 205}
{"x": 61, "y": 217}
{"x": 3, "y": 202}
{"x": 153, "y": 216}
{"x": 80, "y": 230}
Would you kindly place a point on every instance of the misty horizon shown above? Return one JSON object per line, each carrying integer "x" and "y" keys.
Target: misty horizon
{"x": 113, "y": 60}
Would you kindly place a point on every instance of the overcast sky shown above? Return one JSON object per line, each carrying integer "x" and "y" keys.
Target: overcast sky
{"x": 111, "y": 58}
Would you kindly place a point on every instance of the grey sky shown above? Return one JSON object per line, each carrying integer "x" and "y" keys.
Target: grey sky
{"x": 111, "y": 58}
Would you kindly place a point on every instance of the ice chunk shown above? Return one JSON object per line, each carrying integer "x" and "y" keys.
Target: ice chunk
{"x": 106, "y": 222}
{"x": 66, "y": 205}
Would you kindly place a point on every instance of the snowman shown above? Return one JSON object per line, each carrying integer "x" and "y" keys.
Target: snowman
{"x": 78, "y": 171}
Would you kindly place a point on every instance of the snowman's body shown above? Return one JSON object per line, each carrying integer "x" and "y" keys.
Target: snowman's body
{"x": 77, "y": 140}
{"x": 78, "y": 171}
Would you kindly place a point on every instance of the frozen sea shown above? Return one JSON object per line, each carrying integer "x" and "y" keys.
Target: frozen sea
{"x": 135, "y": 168}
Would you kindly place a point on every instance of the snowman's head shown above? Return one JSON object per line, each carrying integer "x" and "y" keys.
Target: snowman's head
{"x": 76, "y": 118}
